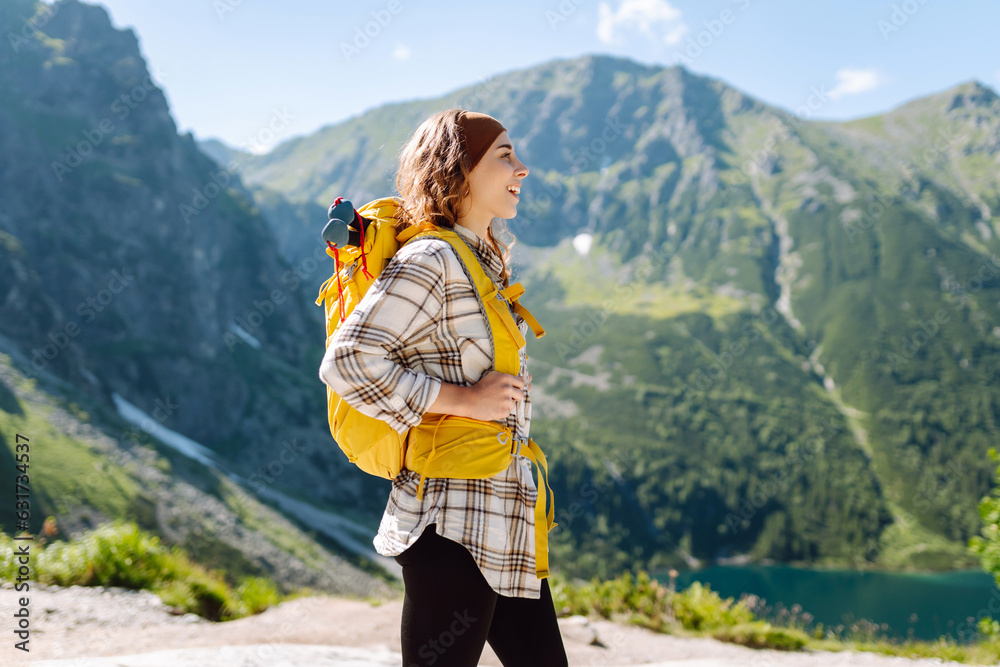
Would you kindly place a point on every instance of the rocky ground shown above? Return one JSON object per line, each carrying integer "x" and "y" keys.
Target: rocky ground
{"x": 105, "y": 627}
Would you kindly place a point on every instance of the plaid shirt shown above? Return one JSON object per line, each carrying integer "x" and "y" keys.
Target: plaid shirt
{"x": 422, "y": 322}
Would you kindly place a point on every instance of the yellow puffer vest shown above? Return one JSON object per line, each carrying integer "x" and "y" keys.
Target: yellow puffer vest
{"x": 441, "y": 445}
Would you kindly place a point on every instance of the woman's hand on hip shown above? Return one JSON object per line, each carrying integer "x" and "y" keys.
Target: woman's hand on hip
{"x": 496, "y": 395}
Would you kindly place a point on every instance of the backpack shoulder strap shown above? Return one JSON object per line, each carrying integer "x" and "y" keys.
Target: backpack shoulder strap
{"x": 488, "y": 290}
{"x": 512, "y": 293}
{"x": 411, "y": 231}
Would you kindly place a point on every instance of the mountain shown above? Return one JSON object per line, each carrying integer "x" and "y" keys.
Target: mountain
{"x": 782, "y": 341}
{"x": 137, "y": 271}
{"x": 223, "y": 154}
{"x": 767, "y": 337}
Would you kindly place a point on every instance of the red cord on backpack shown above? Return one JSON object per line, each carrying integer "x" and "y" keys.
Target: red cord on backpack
{"x": 340, "y": 287}
{"x": 359, "y": 221}
{"x": 336, "y": 269}
{"x": 364, "y": 260}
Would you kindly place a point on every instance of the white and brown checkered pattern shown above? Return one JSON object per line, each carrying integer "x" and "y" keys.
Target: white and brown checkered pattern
{"x": 422, "y": 322}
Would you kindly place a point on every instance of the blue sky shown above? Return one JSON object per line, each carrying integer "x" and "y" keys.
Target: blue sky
{"x": 230, "y": 66}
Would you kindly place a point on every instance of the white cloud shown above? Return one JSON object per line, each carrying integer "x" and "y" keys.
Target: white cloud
{"x": 656, "y": 19}
{"x": 582, "y": 243}
{"x": 851, "y": 81}
{"x": 401, "y": 52}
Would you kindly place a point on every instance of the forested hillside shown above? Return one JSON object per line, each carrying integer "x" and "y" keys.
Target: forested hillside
{"x": 134, "y": 274}
{"x": 767, "y": 335}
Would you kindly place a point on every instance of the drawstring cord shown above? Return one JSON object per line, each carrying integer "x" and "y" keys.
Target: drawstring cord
{"x": 364, "y": 260}
{"x": 340, "y": 287}
{"x": 427, "y": 464}
{"x": 336, "y": 269}
{"x": 359, "y": 221}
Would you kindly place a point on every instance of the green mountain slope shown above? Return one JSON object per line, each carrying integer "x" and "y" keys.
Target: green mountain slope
{"x": 86, "y": 466}
{"x": 780, "y": 344}
{"x": 779, "y": 321}
{"x": 132, "y": 267}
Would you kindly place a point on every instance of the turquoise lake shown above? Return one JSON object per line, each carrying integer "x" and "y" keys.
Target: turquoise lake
{"x": 916, "y": 605}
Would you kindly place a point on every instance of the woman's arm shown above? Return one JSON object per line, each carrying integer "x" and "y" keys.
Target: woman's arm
{"x": 402, "y": 306}
{"x": 452, "y": 399}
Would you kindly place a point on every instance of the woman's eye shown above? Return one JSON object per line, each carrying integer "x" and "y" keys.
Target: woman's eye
{"x": 507, "y": 154}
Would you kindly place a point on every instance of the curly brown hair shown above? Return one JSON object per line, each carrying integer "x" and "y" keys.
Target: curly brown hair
{"x": 433, "y": 179}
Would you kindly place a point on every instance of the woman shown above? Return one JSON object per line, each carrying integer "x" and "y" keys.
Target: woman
{"x": 419, "y": 342}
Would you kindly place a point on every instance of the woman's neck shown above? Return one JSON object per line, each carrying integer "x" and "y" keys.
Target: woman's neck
{"x": 479, "y": 227}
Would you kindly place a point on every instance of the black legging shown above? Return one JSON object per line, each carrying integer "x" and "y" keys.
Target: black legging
{"x": 450, "y": 611}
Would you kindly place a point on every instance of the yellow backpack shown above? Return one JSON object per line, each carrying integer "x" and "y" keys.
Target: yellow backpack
{"x": 441, "y": 445}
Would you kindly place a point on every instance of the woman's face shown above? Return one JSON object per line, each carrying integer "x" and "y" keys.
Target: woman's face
{"x": 490, "y": 180}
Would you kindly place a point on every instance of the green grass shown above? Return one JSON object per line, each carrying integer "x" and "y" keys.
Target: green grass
{"x": 644, "y": 601}
{"x": 121, "y": 554}
{"x": 581, "y": 288}
{"x": 64, "y": 473}
{"x": 699, "y": 611}
{"x": 284, "y": 537}
{"x": 75, "y": 477}
{"x": 907, "y": 545}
